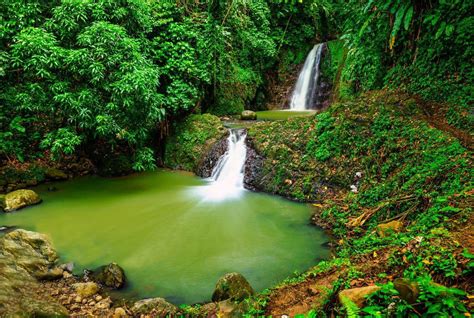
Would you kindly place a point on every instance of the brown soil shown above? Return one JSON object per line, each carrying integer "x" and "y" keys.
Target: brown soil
{"x": 438, "y": 121}
{"x": 312, "y": 293}
{"x": 300, "y": 298}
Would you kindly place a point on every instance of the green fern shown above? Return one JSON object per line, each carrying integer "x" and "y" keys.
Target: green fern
{"x": 351, "y": 308}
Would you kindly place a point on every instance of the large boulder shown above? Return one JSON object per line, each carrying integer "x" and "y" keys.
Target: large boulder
{"x": 357, "y": 295}
{"x": 19, "y": 199}
{"x": 232, "y": 286}
{"x": 248, "y": 115}
{"x": 388, "y": 228}
{"x": 157, "y": 307}
{"x": 110, "y": 275}
{"x": 33, "y": 252}
{"x": 22, "y": 254}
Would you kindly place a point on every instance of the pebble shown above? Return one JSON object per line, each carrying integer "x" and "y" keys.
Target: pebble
{"x": 98, "y": 298}
{"x": 66, "y": 274}
{"x": 78, "y": 299}
{"x": 119, "y": 313}
{"x": 104, "y": 303}
{"x": 68, "y": 267}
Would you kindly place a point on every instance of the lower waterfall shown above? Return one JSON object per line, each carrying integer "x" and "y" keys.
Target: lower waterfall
{"x": 227, "y": 179}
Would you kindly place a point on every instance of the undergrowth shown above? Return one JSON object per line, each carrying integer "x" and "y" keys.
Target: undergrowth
{"x": 367, "y": 162}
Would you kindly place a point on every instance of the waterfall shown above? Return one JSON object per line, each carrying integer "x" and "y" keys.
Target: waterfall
{"x": 227, "y": 179}
{"x": 305, "y": 91}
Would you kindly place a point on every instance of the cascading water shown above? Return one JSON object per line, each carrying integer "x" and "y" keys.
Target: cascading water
{"x": 227, "y": 179}
{"x": 305, "y": 92}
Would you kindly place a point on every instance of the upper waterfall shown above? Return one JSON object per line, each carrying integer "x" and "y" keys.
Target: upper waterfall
{"x": 227, "y": 179}
{"x": 306, "y": 87}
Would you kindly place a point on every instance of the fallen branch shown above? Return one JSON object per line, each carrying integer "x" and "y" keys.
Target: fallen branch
{"x": 368, "y": 213}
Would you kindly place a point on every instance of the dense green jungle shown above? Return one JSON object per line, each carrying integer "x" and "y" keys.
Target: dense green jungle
{"x": 236, "y": 158}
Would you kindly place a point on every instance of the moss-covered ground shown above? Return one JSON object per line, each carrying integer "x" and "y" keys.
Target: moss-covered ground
{"x": 363, "y": 163}
{"x": 191, "y": 139}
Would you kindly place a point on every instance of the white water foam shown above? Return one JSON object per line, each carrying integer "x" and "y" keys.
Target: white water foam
{"x": 306, "y": 86}
{"x": 227, "y": 179}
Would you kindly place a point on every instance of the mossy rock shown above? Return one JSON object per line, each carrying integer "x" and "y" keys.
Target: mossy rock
{"x": 19, "y": 199}
{"x": 31, "y": 251}
{"x": 55, "y": 174}
{"x": 191, "y": 140}
{"x": 232, "y": 286}
{"x": 111, "y": 275}
{"x": 407, "y": 289}
{"x": 357, "y": 295}
{"x": 86, "y": 289}
{"x": 25, "y": 256}
{"x": 157, "y": 307}
{"x": 248, "y": 115}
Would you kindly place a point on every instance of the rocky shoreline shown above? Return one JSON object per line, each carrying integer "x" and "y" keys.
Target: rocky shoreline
{"x": 34, "y": 283}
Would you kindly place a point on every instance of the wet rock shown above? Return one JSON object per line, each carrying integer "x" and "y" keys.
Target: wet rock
{"x": 155, "y": 306}
{"x": 232, "y": 286}
{"x": 110, "y": 275}
{"x": 31, "y": 251}
{"x": 211, "y": 158}
{"x": 67, "y": 267}
{"x": 55, "y": 174}
{"x": 407, "y": 289}
{"x": 386, "y": 229}
{"x": 86, "y": 289}
{"x": 6, "y": 229}
{"x": 19, "y": 199}
{"x": 357, "y": 295}
{"x": 19, "y": 259}
{"x": 253, "y": 168}
{"x": 248, "y": 115}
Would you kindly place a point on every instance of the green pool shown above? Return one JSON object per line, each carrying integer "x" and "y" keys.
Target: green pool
{"x": 171, "y": 241}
